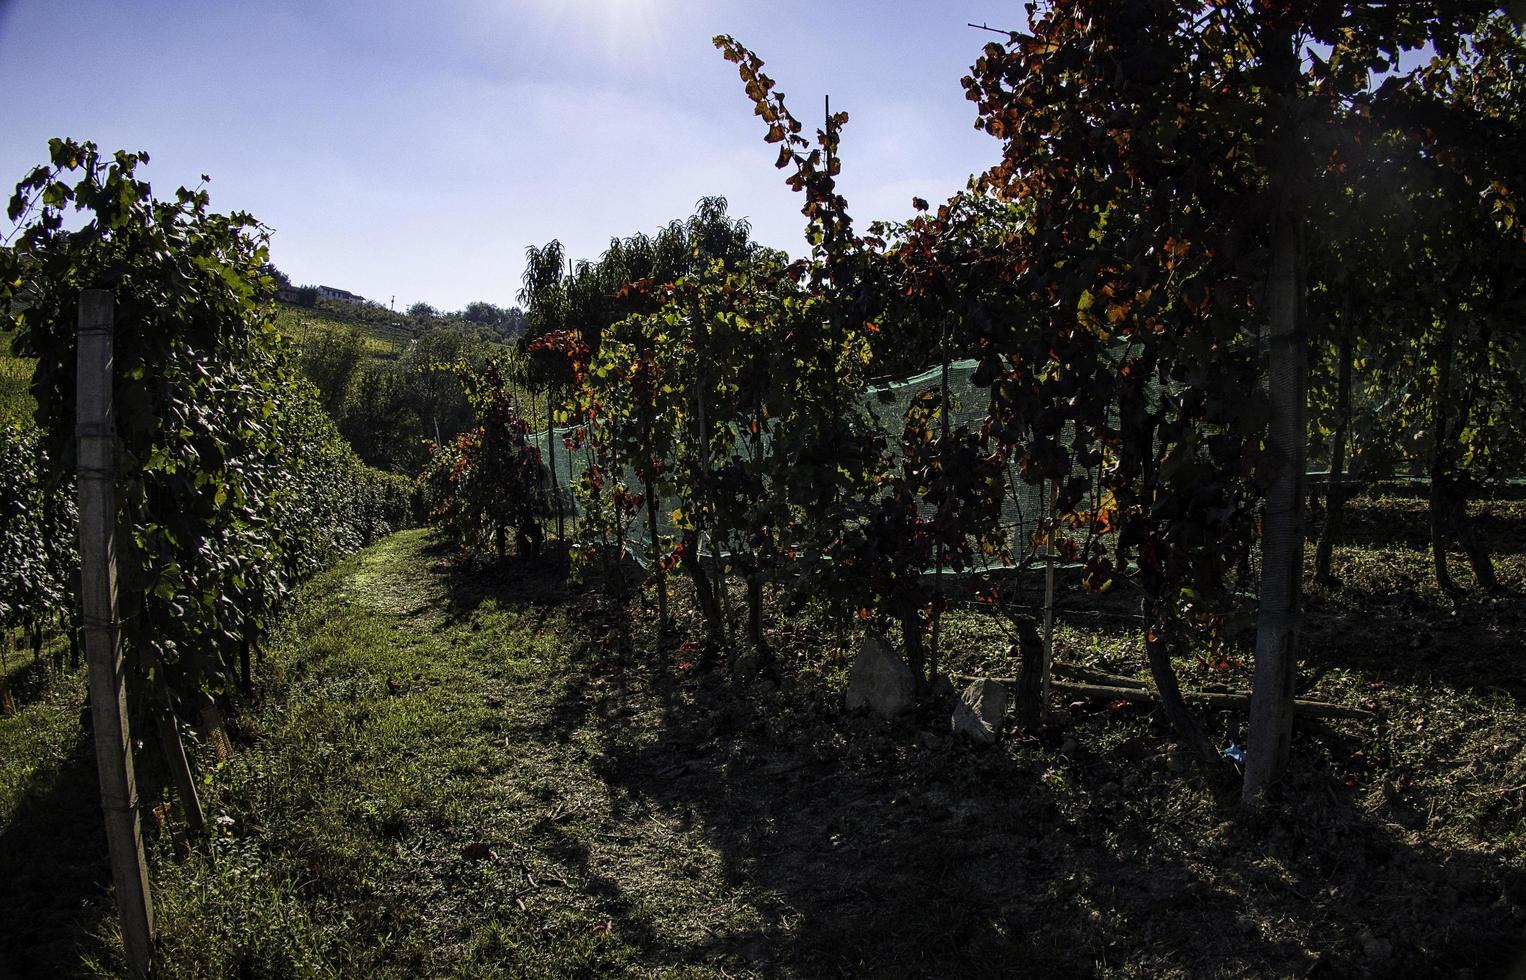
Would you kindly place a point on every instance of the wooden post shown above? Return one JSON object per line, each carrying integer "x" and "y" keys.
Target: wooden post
{"x": 179, "y": 768}
{"x": 1280, "y": 605}
{"x": 96, "y": 433}
{"x": 937, "y": 610}
{"x": 7, "y": 703}
{"x": 556, "y": 492}
{"x": 1049, "y": 556}
{"x": 1030, "y": 687}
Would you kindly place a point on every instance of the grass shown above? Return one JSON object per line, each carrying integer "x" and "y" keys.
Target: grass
{"x": 52, "y": 854}
{"x": 393, "y": 791}
{"x": 302, "y": 324}
{"x": 37, "y": 740}
{"x": 16, "y": 400}
{"x": 450, "y": 769}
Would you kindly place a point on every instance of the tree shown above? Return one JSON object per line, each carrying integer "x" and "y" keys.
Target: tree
{"x": 1136, "y": 278}
{"x": 422, "y": 311}
{"x": 330, "y": 359}
{"x": 1168, "y": 148}
{"x": 824, "y": 465}
{"x": 487, "y": 481}
{"x": 1467, "y": 113}
{"x": 378, "y": 417}
{"x": 513, "y": 324}
{"x": 432, "y": 363}
{"x": 1366, "y": 251}
{"x": 485, "y": 314}
{"x": 544, "y": 295}
{"x": 278, "y": 279}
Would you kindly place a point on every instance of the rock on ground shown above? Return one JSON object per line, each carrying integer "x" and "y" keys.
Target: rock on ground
{"x": 880, "y": 680}
{"x": 978, "y": 712}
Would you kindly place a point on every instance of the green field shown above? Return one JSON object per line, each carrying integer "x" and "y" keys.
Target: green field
{"x": 15, "y": 379}
{"x": 385, "y": 336}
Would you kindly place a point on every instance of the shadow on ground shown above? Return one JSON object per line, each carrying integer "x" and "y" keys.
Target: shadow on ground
{"x": 881, "y": 858}
{"x": 1386, "y": 616}
{"x": 53, "y": 870}
{"x": 540, "y": 582}
{"x": 869, "y": 850}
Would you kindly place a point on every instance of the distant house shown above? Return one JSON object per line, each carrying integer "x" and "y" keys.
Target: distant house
{"x": 289, "y": 294}
{"x": 339, "y": 295}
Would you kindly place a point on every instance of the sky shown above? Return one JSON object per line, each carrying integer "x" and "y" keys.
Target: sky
{"x": 411, "y": 150}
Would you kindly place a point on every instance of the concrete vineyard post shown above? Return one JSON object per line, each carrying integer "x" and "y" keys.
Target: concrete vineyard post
{"x": 98, "y": 592}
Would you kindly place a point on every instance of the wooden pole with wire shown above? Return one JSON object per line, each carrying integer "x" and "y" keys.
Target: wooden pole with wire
{"x": 1049, "y": 556}
{"x": 96, "y": 434}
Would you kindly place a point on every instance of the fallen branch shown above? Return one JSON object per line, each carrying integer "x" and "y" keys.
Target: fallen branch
{"x": 1094, "y": 676}
{"x": 1135, "y": 691}
{"x": 1217, "y": 699}
{"x": 1074, "y": 671}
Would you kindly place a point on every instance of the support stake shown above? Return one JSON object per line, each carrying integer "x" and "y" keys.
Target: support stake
{"x": 96, "y": 433}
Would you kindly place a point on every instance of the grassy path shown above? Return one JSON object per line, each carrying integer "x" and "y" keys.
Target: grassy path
{"x": 426, "y": 798}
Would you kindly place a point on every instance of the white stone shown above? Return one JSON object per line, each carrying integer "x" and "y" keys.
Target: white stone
{"x": 978, "y": 712}
{"x": 880, "y": 680}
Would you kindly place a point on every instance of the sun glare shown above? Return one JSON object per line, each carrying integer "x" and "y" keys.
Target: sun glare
{"x": 624, "y": 29}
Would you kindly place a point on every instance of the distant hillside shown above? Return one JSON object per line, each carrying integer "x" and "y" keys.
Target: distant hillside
{"x": 386, "y": 334}
{"x": 15, "y": 379}
{"x": 373, "y": 368}
{"x": 386, "y": 331}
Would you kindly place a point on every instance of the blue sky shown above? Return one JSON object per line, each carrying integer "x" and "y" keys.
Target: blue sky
{"x": 413, "y": 149}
